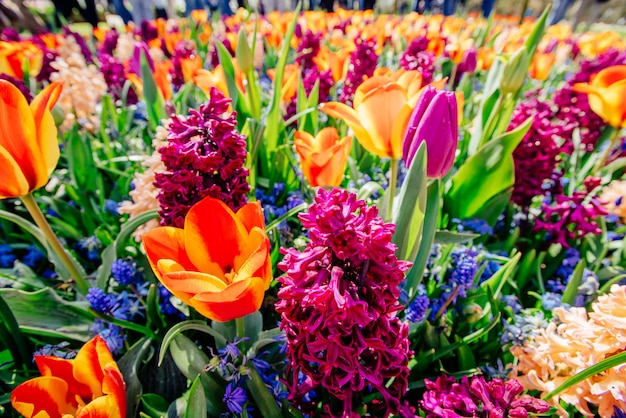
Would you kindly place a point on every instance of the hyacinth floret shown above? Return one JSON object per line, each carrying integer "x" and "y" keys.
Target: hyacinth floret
{"x": 417, "y": 57}
{"x": 204, "y": 156}
{"x": 338, "y": 304}
{"x": 308, "y": 48}
{"x": 445, "y": 397}
{"x": 363, "y": 61}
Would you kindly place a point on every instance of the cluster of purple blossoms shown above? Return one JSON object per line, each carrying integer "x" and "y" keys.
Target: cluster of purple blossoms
{"x": 204, "y": 156}
{"x": 537, "y": 155}
{"x": 417, "y": 57}
{"x": 185, "y": 49}
{"x": 447, "y": 398}
{"x": 110, "y": 42}
{"x": 215, "y": 59}
{"x": 309, "y": 78}
{"x": 339, "y": 304}
{"x": 115, "y": 77}
{"x": 574, "y": 111}
{"x": 308, "y": 48}
{"x": 569, "y": 218}
{"x": 363, "y": 61}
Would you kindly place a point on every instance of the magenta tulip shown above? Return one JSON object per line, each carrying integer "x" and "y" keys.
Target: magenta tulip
{"x": 435, "y": 121}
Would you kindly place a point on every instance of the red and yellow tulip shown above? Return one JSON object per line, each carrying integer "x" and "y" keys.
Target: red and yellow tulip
{"x": 323, "y": 157}
{"x": 90, "y": 385}
{"x": 225, "y": 278}
{"x": 29, "y": 150}
{"x": 382, "y": 107}
{"x": 607, "y": 95}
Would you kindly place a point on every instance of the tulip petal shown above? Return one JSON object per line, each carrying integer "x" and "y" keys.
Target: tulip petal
{"x": 63, "y": 369}
{"x": 251, "y": 215}
{"x": 186, "y": 284}
{"x": 213, "y": 236}
{"x": 13, "y": 182}
{"x": 90, "y": 362}
{"x": 46, "y": 129}
{"x": 114, "y": 387}
{"x": 252, "y": 262}
{"x": 168, "y": 243}
{"x": 18, "y": 134}
{"x": 42, "y": 396}
{"x": 347, "y": 114}
{"x": 237, "y": 300}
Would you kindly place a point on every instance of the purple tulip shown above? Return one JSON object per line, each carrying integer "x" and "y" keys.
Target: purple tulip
{"x": 434, "y": 120}
{"x": 468, "y": 65}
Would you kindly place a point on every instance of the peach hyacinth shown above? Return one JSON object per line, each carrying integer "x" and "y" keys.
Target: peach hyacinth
{"x": 578, "y": 340}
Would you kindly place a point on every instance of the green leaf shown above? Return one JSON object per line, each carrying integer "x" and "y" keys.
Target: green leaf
{"x": 11, "y": 336}
{"x": 226, "y": 61}
{"x": 53, "y": 317}
{"x": 537, "y": 33}
{"x": 191, "y": 362}
{"x": 196, "y": 325}
{"x": 110, "y": 253}
{"x": 275, "y": 126}
{"x": 155, "y": 103}
{"x": 571, "y": 291}
{"x": 484, "y": 175}
{"x": 414, "y": 276}
{"x": 449, "y": 237}
{"x": 264, "y": 399}
{"x": 154, "y": 405}
{"x": 410, "y": 207}
{"x": 129, "y": 365}
{"x": 368, "y": 189}
{"x": 81, "y": 163}
{"x": 446, "y": 349}
{"x": 196, "y": 406}
{"x": 597, "y": 368}
{"x": 497, "y": 281}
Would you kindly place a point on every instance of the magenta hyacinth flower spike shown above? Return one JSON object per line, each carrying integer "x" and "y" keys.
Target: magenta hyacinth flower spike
{"x": 435, "y": 121}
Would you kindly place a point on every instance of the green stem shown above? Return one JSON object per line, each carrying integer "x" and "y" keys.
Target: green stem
{"x": 392, "y": 187}
{"x": 29, "y": 201}
{"x": 452, "y": 76}
{"x": 607, "y": 152}
{"x": 240, "y": 327}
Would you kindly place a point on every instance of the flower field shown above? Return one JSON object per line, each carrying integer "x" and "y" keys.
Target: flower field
{"x": 313, "y": 214}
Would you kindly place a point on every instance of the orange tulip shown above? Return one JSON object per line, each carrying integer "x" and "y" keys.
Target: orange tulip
{"x": 607, "y": 95}
{"x": 541, "y": 65}
{"x": 91, "y": 385}
{"x": 290, "y": 80}
{"x": 206, "y": 79}
{"x": 218, "y": 263}
{"x": 382, "y": 107}
{"x": 29, "y": 150}
{"x": 324, "y": 157}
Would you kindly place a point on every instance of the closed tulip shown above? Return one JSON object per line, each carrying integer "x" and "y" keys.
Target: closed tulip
{"x": 381, "y": 110}
{"x": 607, "y": 95}
{"x": 323, "y": 157}
{"x": 434, "y": 121}
{"x": 90, "y": 385}
{"x": 218, "y": 263}
{"x": 29, "y": 149}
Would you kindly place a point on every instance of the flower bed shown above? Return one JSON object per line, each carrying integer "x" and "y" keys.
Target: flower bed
{"x": 313, "y": 215}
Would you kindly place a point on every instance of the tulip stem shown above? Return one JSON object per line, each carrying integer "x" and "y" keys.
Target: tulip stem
{"x": 392, "y": 186}
{"x": 81, "y": 284}
{"x": 452, "y": 76}
{"x": 240, "y": 327}
{"x": 607, "y": 152}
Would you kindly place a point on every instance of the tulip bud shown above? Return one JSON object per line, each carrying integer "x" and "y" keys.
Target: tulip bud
{"x": 515, "y": 72}
{"x": 470, "y": 60}
{"x": 243, "y": 53}
{"x": 434, "y": 120}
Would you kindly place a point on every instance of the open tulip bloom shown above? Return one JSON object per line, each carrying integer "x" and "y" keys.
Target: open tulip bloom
{"x": 218, "y": 262}
{"x": 607, "y": 93}
{"x": 90, "y": 385}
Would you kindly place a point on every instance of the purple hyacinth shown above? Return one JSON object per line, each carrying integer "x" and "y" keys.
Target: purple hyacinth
{"x": 205, "y": 156}
{"x": 537, "y": 154}
{"x": 308, "y": 48}
{"x": 362, "y": 64}
{"x": 446, "y": 398}
{"x": 417, "y": 57}
{"x": 110, "y": 42}
{"x": 115, "y": 77}
{"x": 570, "y": 218}
{"x": 184, "y": 50}
{"x": 338, "y": 304}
